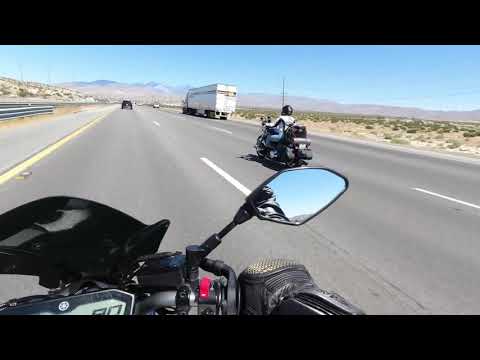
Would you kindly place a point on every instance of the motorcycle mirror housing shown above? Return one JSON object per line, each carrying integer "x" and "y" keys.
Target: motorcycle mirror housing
{"x": 295, "y": 196}
{"x": 292, "y": 197}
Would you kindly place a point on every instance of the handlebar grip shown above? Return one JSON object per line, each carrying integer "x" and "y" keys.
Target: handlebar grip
{"x": 215, "y": 267}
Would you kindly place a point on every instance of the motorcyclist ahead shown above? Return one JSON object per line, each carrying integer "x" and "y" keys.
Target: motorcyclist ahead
{"x": 277, "y": 129}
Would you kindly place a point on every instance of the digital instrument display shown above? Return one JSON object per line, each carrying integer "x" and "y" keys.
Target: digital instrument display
{"x": 104, "y": 302}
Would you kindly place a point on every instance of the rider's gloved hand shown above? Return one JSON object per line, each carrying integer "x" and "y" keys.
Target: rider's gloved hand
{"x": 266, "y": 284}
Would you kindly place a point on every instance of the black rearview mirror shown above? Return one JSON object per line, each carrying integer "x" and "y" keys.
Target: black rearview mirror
{"x": 292, "y": 196}
{"x": 295, "y": 196}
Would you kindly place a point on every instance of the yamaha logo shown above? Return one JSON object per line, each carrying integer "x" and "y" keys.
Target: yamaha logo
{"x": 64, "y": 305}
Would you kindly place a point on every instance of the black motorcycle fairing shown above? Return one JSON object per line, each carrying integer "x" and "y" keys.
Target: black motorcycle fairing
{"x": 66, "y": 239}
{"x": 16, "y": 261}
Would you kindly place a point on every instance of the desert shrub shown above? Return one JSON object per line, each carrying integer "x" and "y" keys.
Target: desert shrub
{"x": 387, "y": 137}
{"x": 411, "y": 131}
{"x": 22, "y": 92}
{"x": 471, "y": 133}
{"x": 369, "y": 127}
{"x": 400, "y": 141}
{"x": 454, "y": 144}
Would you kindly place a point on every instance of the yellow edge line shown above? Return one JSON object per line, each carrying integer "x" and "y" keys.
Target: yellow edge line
{"x": 45, "y": 152}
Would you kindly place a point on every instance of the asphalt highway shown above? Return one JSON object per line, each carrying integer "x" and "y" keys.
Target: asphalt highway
{"x": 402, "y": 240}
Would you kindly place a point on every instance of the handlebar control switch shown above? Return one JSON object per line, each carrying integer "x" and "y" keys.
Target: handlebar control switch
{"x": 182, "y": 300}
{"x": 204, "y": 290}
{"x": 209, "y": 296}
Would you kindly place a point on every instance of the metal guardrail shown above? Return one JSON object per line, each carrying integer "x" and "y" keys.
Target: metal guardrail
{"x": 15, "y": 110}
{"x": 45, "y": 103}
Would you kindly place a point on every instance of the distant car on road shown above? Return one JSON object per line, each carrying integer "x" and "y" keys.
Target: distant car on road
{"x": 126, "y": 104}
{"x": 156, "y": 106}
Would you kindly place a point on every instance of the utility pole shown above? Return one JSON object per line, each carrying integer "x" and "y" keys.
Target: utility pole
{"x": 21, "y": 72}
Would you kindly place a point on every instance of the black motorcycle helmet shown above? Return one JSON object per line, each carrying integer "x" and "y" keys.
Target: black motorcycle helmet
{"x": 287, "y": 110}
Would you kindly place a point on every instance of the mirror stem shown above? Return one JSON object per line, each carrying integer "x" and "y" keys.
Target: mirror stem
{"x": 243, "y": 214}
{"x": 216, "y": 239}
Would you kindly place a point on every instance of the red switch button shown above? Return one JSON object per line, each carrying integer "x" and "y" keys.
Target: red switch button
{"x": 205, "y": 284}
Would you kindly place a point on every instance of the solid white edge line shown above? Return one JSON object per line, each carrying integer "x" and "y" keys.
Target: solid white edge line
{"x": 227, "y": 177}
{"x": 219, "y": 129}
{"x": 156, "y": 123}
{"x": 447, "y": 198}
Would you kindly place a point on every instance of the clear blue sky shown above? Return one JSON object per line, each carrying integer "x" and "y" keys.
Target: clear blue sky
{"x": 432, "y": 77}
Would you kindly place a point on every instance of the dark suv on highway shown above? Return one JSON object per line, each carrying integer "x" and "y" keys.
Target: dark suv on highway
{"x": 127, "y": 104}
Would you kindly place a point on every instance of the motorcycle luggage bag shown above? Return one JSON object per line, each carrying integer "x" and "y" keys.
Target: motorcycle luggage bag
{"x": 299, "y": 131}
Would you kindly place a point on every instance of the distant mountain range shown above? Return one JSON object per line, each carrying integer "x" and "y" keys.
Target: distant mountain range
{"x": 154, "y": 91}
{"x": 311, "y": 104}
{"x": 113, "y": 90}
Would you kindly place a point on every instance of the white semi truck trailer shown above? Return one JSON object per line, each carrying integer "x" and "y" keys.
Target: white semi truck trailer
{"x": 214, "y": 101}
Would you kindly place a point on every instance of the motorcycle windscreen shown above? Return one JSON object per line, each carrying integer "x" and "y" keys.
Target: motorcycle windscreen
{"x": 65, "y": 238}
